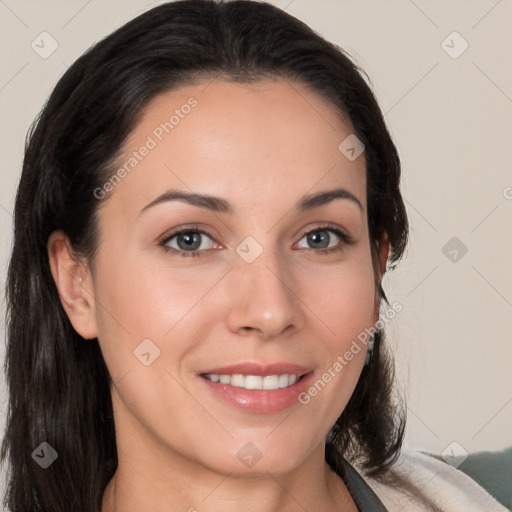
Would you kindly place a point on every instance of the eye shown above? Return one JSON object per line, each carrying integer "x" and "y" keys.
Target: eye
{"x": 326, "y": 239}
{"x": 188, "y": 242}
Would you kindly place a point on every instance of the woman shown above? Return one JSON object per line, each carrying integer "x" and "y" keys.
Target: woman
{"x": 208, "y": 204}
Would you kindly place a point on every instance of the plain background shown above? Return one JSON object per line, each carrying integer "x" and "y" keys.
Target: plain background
{"x": 449, "y": 112}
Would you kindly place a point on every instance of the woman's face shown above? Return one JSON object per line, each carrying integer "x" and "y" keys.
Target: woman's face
{"x": 244, "y": 292}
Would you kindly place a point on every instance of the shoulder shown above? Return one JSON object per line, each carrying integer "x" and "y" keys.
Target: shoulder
{"x": 419, "y": 482}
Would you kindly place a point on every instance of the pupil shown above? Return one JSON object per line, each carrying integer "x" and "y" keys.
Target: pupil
{"x": 320, "y": 237}
{"x": 191, "y": 241}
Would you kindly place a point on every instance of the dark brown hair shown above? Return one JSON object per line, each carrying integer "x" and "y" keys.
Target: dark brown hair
{"x": 58, "y": 383}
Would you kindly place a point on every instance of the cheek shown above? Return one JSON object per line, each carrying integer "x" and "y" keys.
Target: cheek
{"x": 345, "y": 307}
{"x": 343, "y": 299}
{"x": 138, "y": 300}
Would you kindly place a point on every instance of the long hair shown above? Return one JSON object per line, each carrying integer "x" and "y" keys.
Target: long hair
{"x": 58, "y": 382}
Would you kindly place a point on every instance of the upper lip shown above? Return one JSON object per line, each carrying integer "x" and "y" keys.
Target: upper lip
{"x": 260, "y": 369}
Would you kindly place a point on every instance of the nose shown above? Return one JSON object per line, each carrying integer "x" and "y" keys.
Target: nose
{"x": 263, "y": 300}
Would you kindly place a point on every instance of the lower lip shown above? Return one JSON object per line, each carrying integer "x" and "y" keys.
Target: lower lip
{"x": 260, "y": 400}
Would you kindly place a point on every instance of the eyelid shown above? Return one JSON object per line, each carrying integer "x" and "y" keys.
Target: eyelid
{"x": 327, "y": 227}
{"x": 168, "y": 235}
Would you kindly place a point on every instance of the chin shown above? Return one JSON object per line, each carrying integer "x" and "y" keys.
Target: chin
{"x": 258, "y": 458}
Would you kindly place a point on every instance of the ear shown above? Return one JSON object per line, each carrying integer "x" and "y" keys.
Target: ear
{"x": 383, "y": 253}
{"x": 74, "y": 285}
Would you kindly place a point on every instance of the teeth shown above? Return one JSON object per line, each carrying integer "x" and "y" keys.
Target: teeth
{"x": 269, "y": 382}
{"x": 252, "y": 382}
{"x": 283, "y": 380}
{"x": 237, "y": 380}
{"x": 225, "y": 379}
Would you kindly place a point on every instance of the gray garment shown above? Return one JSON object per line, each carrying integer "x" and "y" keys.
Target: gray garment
{"x": 365, "y": 499}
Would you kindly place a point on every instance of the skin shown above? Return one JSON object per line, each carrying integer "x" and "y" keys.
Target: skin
{"x": 262, "y": 147}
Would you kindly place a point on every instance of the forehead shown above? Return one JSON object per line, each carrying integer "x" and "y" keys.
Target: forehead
{"x": 269, "y": 138}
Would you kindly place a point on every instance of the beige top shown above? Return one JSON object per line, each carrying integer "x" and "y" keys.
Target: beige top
{"x": 429, "y": 484}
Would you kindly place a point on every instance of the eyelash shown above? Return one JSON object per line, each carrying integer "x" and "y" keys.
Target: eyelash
{"x": 346, "y": 240}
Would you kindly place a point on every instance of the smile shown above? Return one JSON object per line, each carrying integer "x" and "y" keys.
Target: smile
{"x": 268, "y": 382}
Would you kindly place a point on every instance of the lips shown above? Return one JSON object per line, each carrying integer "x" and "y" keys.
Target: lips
{"x": 251, "y": 387}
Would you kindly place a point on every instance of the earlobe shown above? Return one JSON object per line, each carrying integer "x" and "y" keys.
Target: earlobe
{"x": 74, "y": 285}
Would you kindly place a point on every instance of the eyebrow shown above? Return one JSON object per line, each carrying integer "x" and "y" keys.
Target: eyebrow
{"x": 220, "y": 205}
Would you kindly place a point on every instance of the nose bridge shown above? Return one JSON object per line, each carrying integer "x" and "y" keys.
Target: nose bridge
{"x": 263, "y": 297}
